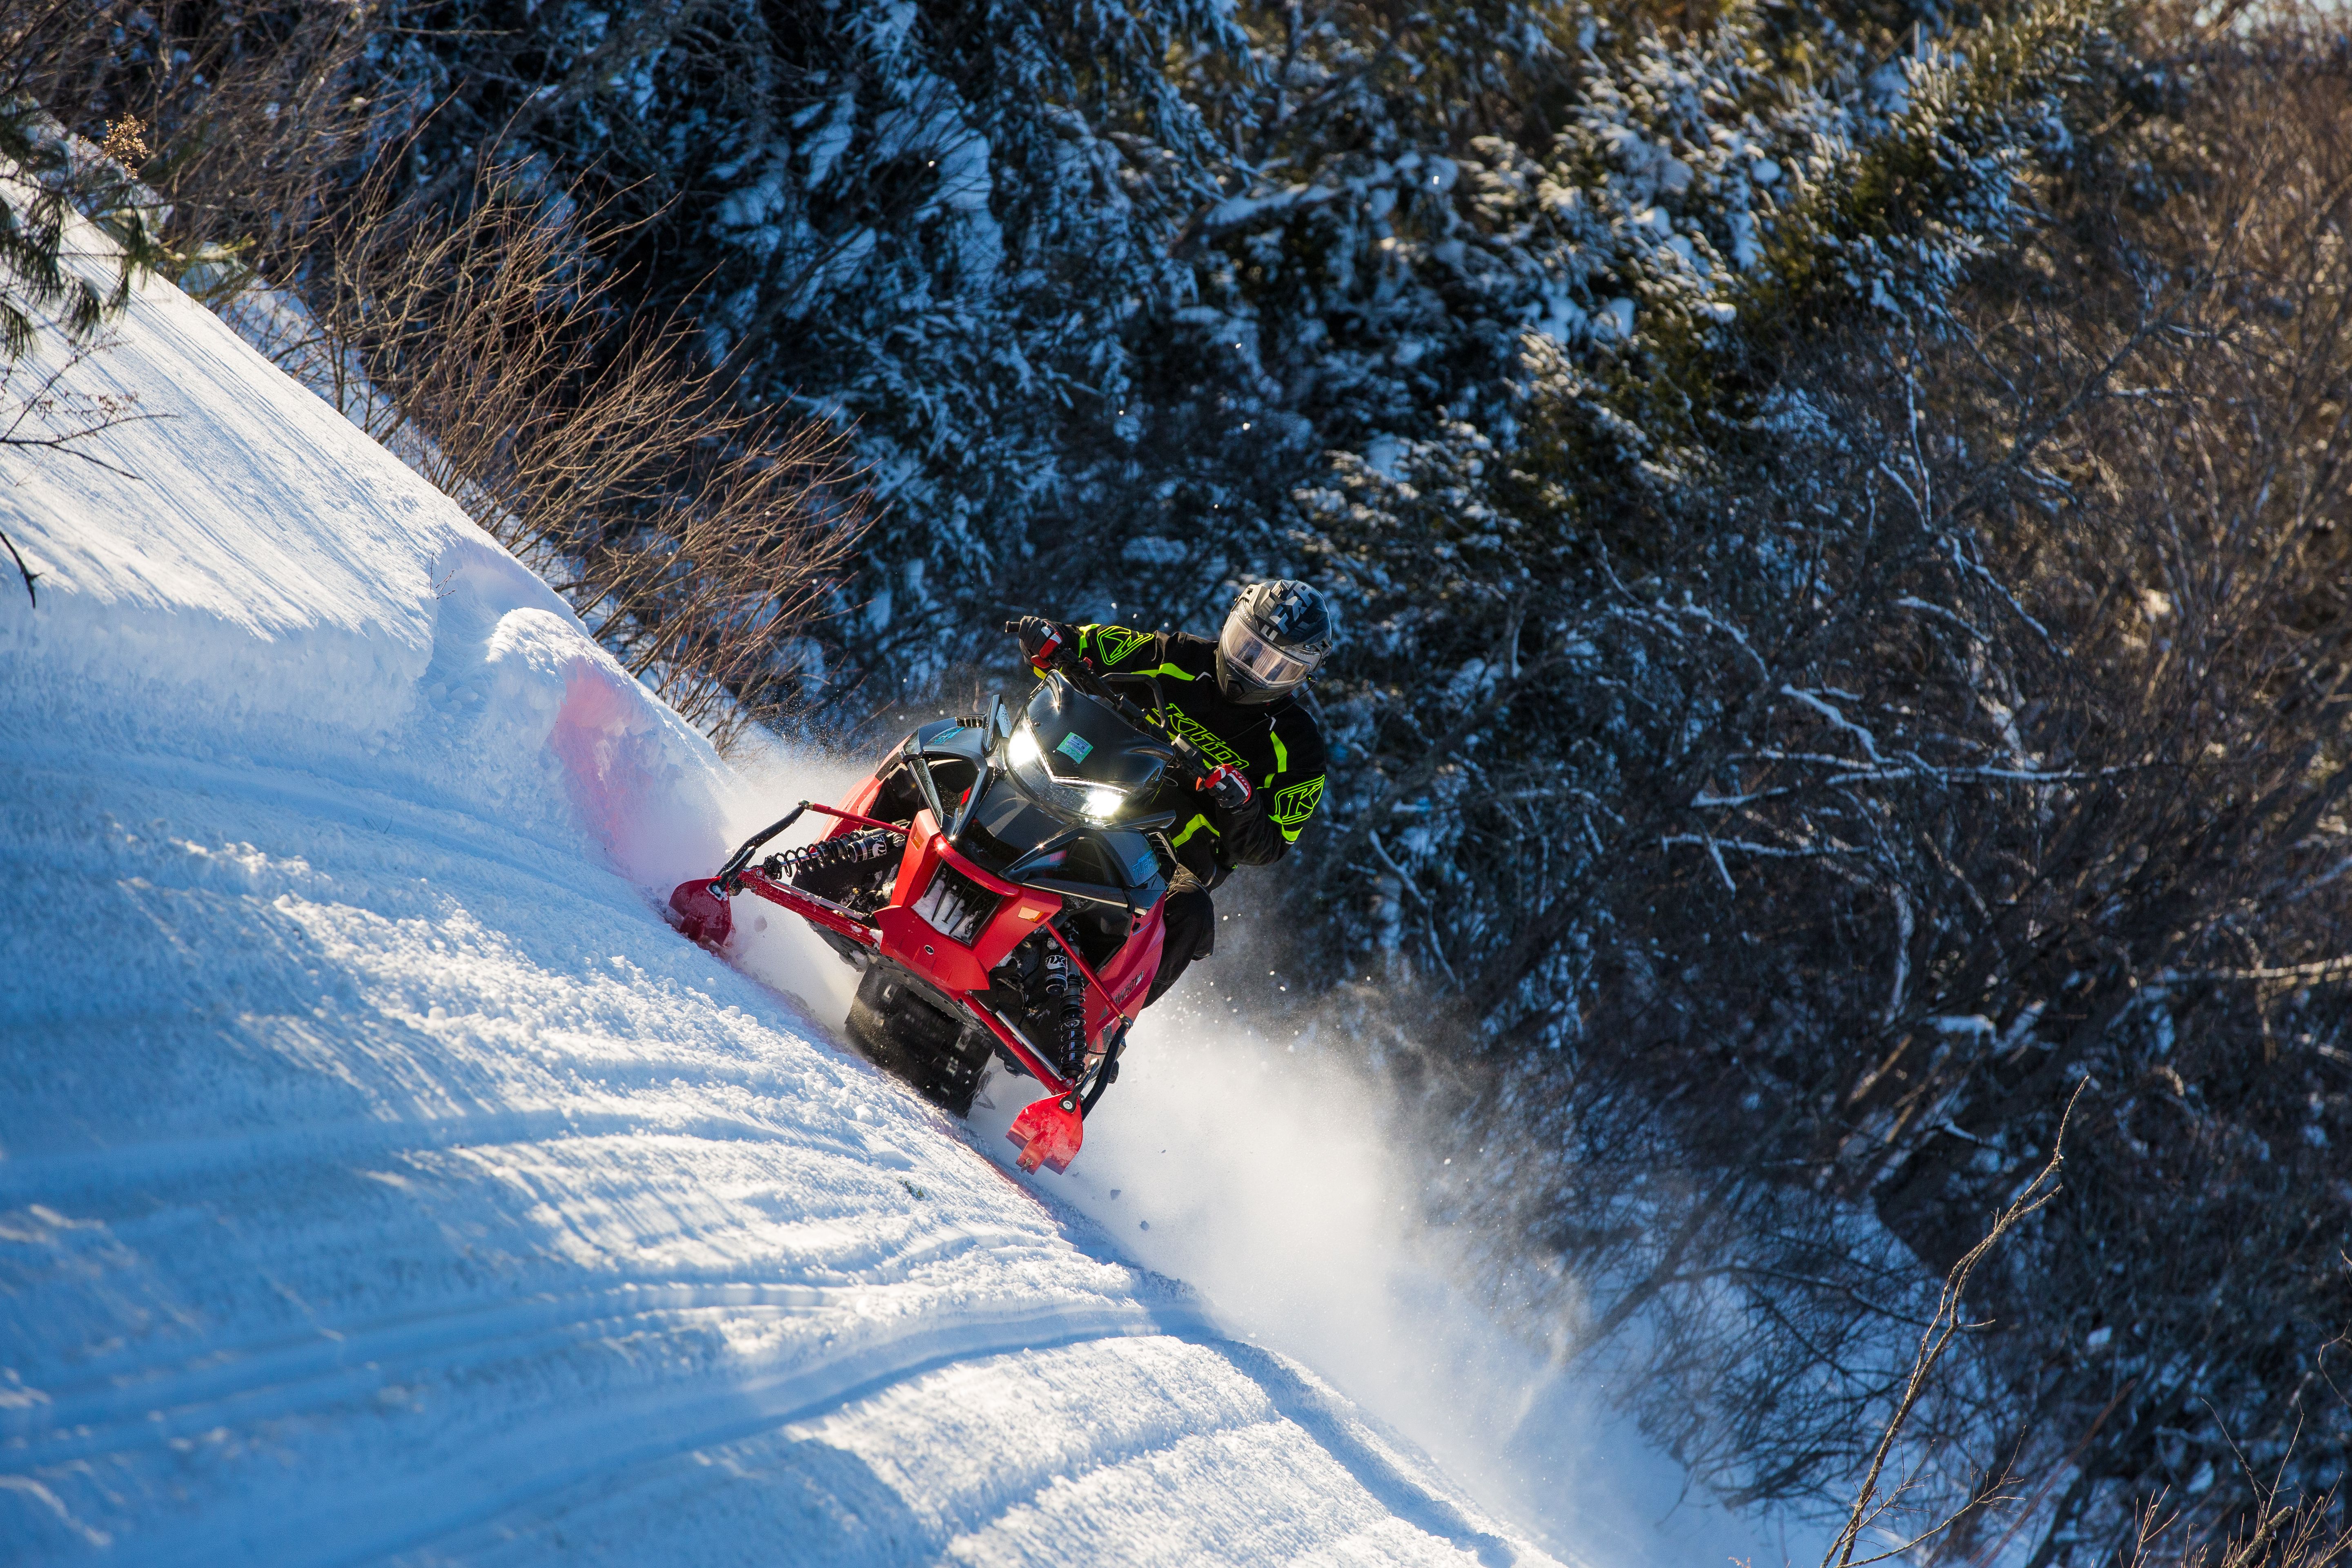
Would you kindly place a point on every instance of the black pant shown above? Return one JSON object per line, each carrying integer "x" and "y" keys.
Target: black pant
{"x": 1191, "y": 919}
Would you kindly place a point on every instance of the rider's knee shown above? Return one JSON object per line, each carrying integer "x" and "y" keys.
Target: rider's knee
{"x": 1191, "y": 917}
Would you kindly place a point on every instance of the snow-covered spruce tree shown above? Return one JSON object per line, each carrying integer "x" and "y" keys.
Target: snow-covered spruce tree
{"x": 1694, "y": 223}
{"x": 1658, "y": 561}
{"x": 1100, "y": 285}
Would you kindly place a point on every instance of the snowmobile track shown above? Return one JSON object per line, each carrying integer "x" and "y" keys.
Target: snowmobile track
{"x": 602, "y": 1455}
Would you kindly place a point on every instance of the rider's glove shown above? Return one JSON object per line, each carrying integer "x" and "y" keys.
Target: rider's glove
{"x": 1227, "y": 786}
{"x": 1046, "y": 642}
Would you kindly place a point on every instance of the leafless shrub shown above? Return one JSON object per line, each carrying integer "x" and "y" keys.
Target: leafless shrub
{"x": 698, "y": 540}
{"x": 2275, "y": 1535}
{"x": 468, "y": 325}
{"x": 50, "y": 416}
{"x": 1875, "y": 1499}
{"x": 2169, "y": 925}
{"x": 236, "y": 119}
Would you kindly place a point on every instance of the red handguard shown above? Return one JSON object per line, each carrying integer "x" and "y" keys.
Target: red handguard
{"x": 1047, "y": 651}
{"x": 1223, "y": 776}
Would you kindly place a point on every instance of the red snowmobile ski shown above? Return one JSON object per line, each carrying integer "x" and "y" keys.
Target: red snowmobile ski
{"x": 999, "y": 881}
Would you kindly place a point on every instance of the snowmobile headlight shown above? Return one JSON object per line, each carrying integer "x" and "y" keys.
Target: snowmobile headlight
{"x": 1097, "y": 803}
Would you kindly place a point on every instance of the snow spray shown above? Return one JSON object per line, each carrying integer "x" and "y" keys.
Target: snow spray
{"x": 1264, "y": 1171}
{"x": 1266, "y": 1174}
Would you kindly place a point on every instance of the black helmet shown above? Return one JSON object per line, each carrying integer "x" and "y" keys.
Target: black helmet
{"x": 1275, "y": 637}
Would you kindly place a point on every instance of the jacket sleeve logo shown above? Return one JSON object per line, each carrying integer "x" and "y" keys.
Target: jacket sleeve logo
{"x": 1297, "y": 803}
{"x": 1115, "y": 643}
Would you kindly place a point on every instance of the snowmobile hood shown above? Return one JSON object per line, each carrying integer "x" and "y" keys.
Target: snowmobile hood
{"x": 1076, "y": 756}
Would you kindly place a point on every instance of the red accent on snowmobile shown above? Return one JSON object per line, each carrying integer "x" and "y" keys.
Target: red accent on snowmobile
{"x": 915, "y": 943}
{"x": 1049, "y": 1133}
{"x": 850, "y": 819}
{"x": 701, "y": 913}
{"x": 898, "y": 932}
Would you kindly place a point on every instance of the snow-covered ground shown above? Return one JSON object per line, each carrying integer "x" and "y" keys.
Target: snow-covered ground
{"x": 381, "y": 1179}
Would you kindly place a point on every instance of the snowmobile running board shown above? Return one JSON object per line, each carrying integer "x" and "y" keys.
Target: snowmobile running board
{"x": 1049, "y": 1131}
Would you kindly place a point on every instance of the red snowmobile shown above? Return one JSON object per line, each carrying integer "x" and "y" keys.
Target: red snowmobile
{"x": 999, "y": 882}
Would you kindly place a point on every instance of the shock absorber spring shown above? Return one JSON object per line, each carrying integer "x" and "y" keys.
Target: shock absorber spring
{"x": 862, "y": 847}
{"x": 1066, "y": 995}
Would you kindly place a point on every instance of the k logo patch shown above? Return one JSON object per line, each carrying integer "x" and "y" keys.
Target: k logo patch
{"x": 1297, "y": 803}
{"x": 1115, "y": 643}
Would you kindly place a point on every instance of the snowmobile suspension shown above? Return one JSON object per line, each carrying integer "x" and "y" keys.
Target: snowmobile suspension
{"x": 730, "y": 875}
{"x": 859, "y": 848}
{"x": 1066, "y": 995}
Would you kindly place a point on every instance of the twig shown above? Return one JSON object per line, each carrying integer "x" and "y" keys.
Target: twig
{"x": 1944, "y": 1326}
{"x": 2318, "y": 970}
{"x": 23, "y": 570}
{"x": 65, "y": 443}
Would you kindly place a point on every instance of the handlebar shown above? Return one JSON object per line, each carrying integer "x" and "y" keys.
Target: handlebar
{"x": 1183, "y": 756}
{"x": 1066, "y": 661}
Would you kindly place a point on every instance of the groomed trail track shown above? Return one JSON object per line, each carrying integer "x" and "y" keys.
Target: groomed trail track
{"x": 381, "y": 1181}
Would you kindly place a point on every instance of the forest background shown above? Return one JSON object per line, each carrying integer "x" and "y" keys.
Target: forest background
{"x": 1837, "y": 507}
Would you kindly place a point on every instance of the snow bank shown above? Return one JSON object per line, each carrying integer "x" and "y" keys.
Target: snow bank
{"x": 380, "y": 1178}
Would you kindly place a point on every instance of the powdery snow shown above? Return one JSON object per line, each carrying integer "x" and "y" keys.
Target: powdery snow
{"x": 379, "y": 1179}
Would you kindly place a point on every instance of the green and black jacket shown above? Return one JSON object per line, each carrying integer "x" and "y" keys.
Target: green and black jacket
{"x": 1275, "y": 744}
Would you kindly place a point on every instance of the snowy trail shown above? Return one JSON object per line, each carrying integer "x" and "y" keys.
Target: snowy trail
{"x": 381, "y": 1180}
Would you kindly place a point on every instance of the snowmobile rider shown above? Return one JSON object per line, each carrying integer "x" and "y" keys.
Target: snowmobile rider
{"x": 1235, "y": 698}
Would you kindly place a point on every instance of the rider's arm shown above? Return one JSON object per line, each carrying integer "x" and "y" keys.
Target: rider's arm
{"x": 1126, "y": 651}
{"x": 1245, "y": 836}
{"x": 1295, "y": 789}
{"x": 1286, "y": 795}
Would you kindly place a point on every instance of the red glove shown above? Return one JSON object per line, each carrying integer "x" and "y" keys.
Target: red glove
{"x": 1228, "y": 786}
{"x": 1046, "y": 642}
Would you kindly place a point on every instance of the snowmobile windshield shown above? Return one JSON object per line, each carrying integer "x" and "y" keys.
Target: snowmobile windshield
{"x": 1076, "y": 756}
{"x": 1258, "y": 662}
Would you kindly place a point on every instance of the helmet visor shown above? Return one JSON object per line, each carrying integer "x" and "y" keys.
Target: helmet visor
{"x": 1257, "y": 662}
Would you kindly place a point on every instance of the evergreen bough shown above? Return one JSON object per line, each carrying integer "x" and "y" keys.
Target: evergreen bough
{"x": 50, "y": 179}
